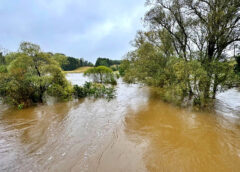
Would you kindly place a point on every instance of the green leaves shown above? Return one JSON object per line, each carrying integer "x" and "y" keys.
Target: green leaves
{"x": 106, "y": 62}
{"x": 29, "y": 48}
{"x": 183, "y": 52}
{"x": 101, "y": 74}
{"x": 30, "y": 75}
{"x": 94, "y": 90}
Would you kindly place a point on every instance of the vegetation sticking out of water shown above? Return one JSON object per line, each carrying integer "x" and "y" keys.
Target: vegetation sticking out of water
{"x": 102, "y": 74}
{"x": 94, "y": 90}
{"x": 30, "y": 75}
{"x": 186, "y": 55}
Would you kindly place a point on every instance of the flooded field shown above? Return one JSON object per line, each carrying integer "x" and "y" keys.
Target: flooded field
{"x": 134, "y": 132}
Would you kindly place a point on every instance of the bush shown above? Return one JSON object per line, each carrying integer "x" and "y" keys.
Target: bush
{"x": 94, "y": 90}
{"x": 114, "y": 68}
{"x": 101, "y": 74}
{"x": 79, "y": 92}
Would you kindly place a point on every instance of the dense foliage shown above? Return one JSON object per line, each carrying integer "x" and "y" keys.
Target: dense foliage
{"x": 2, "y": 59}
{"x": 74, "y": 63}
{"x": 101, "y": 74}
{"x": 107, "y": 62}
{"x": 69, "y": 63}
{"x": 184, "y": 52}
{"x": 29, "y": 74}
{"x": 95, "y": 90}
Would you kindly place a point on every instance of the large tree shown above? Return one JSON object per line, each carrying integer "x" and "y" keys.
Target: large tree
{"x": 29, "y": 75}
{"x": 188, "y": 44}
{"x": 200, "y": 29}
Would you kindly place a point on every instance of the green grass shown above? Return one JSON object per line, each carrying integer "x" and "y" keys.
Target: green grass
{"x": 79, "y": 70}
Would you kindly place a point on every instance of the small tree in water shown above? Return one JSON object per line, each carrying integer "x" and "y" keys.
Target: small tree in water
{"x": 101, "y": 74}
{"x": 29, "y": 75}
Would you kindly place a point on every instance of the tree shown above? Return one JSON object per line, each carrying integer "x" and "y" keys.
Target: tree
{"x": 197, "y": 34}
{"x": 31, "y": 75}
{"x": 101, "y": 74}
{"x": 60, "y": 58}
{"x": 2, "y": 59}
{"x": 102, "y": 62}
{"x": 74, "y": 63}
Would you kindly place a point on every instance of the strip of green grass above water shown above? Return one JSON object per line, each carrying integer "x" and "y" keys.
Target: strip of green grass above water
{"x": 79, "y": 70}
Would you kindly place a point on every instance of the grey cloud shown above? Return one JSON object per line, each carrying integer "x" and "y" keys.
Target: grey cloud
{"x": 77, "y": 28}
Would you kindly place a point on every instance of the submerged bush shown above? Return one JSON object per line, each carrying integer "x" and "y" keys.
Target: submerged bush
{"x": 94, "y": 90}
{"x": 101, "y": 74}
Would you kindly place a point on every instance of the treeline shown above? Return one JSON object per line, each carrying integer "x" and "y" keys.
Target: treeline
{"x": 106, "y": 62}
{"x": 70, "y": 63}
{"x": 74, "y": 63}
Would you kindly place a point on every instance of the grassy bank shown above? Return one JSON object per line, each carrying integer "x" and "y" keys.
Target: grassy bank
{"x": 79, "y": 70}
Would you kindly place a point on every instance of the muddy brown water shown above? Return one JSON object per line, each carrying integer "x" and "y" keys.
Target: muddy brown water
{"x": 133, "y": 132}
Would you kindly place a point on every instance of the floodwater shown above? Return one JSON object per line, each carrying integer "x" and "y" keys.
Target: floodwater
{"x": 134, "y": 132}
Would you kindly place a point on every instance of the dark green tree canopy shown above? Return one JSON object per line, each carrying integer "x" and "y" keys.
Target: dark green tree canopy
{"x": 74, "y": 63}
{"x": 106, "y": 62}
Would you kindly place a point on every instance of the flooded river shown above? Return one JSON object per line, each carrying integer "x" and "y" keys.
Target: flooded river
{"x": 134, "y": 132}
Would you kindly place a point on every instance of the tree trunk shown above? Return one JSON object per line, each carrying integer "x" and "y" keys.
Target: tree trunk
{"x": 208, "y": 84}
{"x": 41, "y": 87}
{"x": 190, "y": 92}
{"x": 207, "y": 90}
{"x": 101, "y": 78}
{"x": 215, "y": 87}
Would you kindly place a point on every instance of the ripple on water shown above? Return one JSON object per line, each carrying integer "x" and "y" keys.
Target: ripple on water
{"x": 130, "y": 133}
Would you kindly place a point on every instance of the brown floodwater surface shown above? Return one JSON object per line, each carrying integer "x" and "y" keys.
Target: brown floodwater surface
{"x": 134, "y": 132}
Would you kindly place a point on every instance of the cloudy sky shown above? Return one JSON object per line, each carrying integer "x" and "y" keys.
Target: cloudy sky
{"x": 78, "y": 28}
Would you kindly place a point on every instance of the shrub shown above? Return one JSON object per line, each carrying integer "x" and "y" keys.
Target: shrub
{"x": 101, "y": 74}
{"x": 94, "y": 90}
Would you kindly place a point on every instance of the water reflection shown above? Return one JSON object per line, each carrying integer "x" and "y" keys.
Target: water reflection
{"x": 77, "y": 78}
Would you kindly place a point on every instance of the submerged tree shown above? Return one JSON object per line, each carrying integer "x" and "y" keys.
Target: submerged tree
{"x": 94, "y": 90}
{"x": 29, "y": 75}
{"x": 186, "y": 46}
{"x": 101, "y": 74}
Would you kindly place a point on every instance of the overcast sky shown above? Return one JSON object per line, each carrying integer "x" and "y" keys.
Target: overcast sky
{"x": 78, "y": 28}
